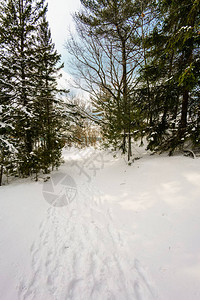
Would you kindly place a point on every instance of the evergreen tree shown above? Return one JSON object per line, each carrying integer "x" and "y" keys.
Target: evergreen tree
{"x": 19, "y": 20}
{"x": 108, "y": 58}
{"x": 174, "y": 75}
{"x": 140, "y": 60}
{"x": 8, "y": 143}
{"x": 31, "y": 115}
{"x": 48, "y": 108}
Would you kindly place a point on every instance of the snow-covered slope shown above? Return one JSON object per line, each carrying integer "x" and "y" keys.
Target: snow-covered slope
{"x": 99, "y": 229}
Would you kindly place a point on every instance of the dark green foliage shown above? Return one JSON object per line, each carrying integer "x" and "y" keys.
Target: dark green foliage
{"x": 31, "y": 121}
{"x": 146, "y": 55}
{"x": 173, "y": 74}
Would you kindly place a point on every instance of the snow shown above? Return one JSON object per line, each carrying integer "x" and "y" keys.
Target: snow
{"x": 185, "y": 28}
{"x": 100, "y": 229}
{"x": 9, "y": 145}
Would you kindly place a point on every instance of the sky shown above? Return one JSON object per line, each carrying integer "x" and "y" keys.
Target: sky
{"x": 59, "y": 17}
{"x": 60, "y": 20}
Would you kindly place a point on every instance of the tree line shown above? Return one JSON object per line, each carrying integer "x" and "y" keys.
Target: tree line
{"x": 138, "y": 59}
{"x": 33, "y": 118}
{"x": 140, "y": 62}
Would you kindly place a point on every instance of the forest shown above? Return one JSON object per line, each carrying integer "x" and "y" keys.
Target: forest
{"x": 99, "y": 190}
{"x": 139, "y": 61}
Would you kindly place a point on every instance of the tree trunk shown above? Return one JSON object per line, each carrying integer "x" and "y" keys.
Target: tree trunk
{"x": 149, "y": 115}
{"x": 184, "y": 112}
{"x": 28, "y": 135}
{"x": 129, "y": 146}
{"x": 175, "y": 112}
{"x": 127, "y": 121}
{"x": 124, "y": 143}
{"x": 1, "y": 174}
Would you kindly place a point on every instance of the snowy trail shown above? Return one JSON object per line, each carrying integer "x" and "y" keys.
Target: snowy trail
{"x": 79, "y": 254}
{"x": 123, "y": 233}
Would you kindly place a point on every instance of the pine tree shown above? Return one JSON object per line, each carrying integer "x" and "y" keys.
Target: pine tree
{"x": 19, "y": 20}
{"x": 31, "y": 114}
{"x": 49, "y": 114}
{"x": 110, "y": 118}
{"x": 174, "y": 75}
{"x": 8, "y": 142}
{"x": 113, "y": 57}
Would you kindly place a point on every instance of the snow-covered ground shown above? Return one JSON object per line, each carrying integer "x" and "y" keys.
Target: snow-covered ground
{"x": 100, "y": 229}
